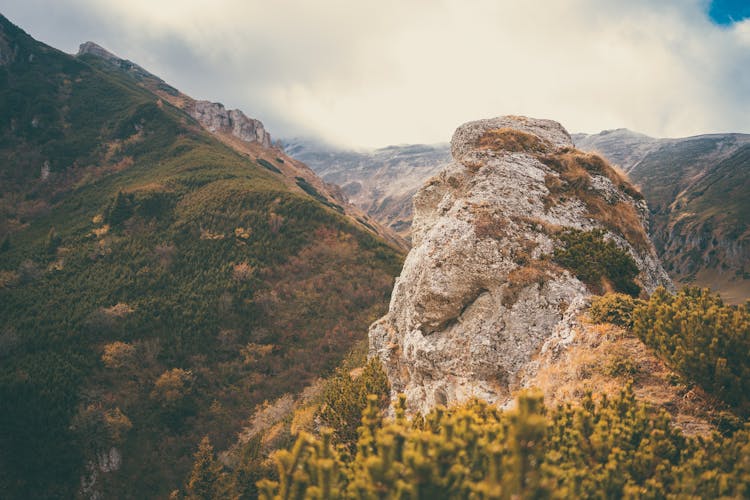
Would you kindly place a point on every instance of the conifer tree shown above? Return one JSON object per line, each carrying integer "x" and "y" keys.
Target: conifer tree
{"x": 53, "y": 241}
{"x": 205, "y": 478}
{"x": 5, "y": 244}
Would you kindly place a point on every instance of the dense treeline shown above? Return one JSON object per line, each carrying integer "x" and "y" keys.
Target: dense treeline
{"x": 705, "y": 340}
{"x": 604, "y": 448}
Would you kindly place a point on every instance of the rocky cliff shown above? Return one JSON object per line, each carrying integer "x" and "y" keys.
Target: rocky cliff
{"x": 479, "y": 293}
{"x": 216, "y": 118}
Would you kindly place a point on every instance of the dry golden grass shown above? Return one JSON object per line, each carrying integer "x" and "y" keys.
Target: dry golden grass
{"x": 512, "y": 140}
{"x": 620, "y": 217}
{"x": 275, "y": 435}
{"x": 208, "y": 235}
{"x": 535, "y": 272}
{"x": 575, "y": 169}
{"x": 101, "y": 231}
{"x": 119, "y": 310}
{"x": 8, "y": 278}
{"x": 542, "y": 225}
{"x": 604, "y": 358}
{"x": 573, "y": 160}
{"x": 490, "y": 225}
{"x": 577, "y": 177}
{"x": 242, "y": 271}
{"x": 303, "y": 420}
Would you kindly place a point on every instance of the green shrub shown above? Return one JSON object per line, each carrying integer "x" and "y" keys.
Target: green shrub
{"x": 597, "y": 262}
{"x": 610, "y": 448}
{"x": 270, "y": 166}
{"x": 616, "y": 308}
{"x": 621, "y": 365}
{"x": 345, "y": 396}
{"x": 705, "y": 340}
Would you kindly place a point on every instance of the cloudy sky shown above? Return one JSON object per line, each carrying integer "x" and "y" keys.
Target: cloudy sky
{"x": 372, "y": 73}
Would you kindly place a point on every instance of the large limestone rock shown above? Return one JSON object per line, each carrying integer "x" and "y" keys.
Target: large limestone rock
{"x": 477, "y": 298}
{"x": 216, "y": 118}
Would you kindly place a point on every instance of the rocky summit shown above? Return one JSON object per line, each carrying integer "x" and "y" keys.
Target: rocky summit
{"x": 480, "y": 293}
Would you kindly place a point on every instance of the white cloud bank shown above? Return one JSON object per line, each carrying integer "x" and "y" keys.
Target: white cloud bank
{"x": 372, "y": 73}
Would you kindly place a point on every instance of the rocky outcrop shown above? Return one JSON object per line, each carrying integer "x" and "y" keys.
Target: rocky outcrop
{"x": 478, "y": 295}
{"x": 97, "y": 50}
{"x": 215, "y": 118}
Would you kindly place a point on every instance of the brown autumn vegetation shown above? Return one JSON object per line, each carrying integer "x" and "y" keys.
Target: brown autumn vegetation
{"x": 535, "y": 271}
{"x": 575, "y": 169}
{"x": 490, "y": 225}
{"x": 603, "y": 358}
{"x": 512, "y": 140}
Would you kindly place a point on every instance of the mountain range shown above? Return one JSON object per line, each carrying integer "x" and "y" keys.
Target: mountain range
{"x": 696, "y": 188}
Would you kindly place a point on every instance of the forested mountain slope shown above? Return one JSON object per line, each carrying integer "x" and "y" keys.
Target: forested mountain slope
{"x": 155, "y": 283}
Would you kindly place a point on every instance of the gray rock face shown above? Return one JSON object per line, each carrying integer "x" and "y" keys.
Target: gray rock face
{"x": 476, "y": 298}
{"x": 216, "y": 118}
{"x": 96, "y": 50}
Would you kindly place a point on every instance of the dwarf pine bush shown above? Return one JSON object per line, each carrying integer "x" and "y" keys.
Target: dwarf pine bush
{"x": 605, "y": 448}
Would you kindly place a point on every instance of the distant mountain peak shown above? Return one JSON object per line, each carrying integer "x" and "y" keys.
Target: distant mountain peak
{"x": 136, "y": 71}
{"x": 96, "y": 50}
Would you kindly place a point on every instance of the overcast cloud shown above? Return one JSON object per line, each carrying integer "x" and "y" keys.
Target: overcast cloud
{"x": 371, "y": 73}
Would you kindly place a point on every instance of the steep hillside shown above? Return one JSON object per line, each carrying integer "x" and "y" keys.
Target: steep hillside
{"x": 156, "y": 284}
{"x": 245, "y": 135}
{"x": 381, "y": 182}
{"x": 697, "y": 190}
